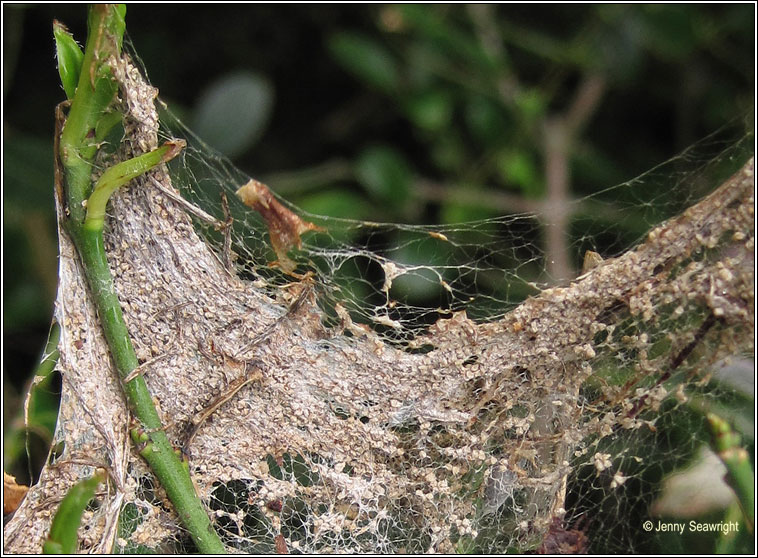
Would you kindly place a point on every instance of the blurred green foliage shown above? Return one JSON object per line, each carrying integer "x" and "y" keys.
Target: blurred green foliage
{"x": 351, "y": 110}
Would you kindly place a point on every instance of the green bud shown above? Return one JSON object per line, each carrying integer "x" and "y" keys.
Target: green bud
{"x": 69, "y": 56}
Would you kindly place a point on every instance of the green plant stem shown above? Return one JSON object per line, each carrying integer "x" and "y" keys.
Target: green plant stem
{"x": 156, "y": 448}
{"x": 120, "y": 174}
{"x": 727, "y": 444}
{"x": 89, "y": 108}
{"x": 94, "y": 94}
{"x": 728, "y": 542}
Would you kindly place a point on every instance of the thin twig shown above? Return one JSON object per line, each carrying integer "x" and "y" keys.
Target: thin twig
{"x": 229, "y": 392}
{"x": 292, "y": 310}
{"x": 228, "y": 263}
{"x": 500, "y": 201}
{"x": 189, "y": 207}
{"x": 142, "y": 367}
{"x": 707, "y": 324}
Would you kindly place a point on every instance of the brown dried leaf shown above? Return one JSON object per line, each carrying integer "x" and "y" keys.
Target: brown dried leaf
{"x": 284, "y": 227}
{"x": 13, "y": 493}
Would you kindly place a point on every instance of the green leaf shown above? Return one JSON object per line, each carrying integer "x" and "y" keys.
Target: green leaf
{"x": 449, "y": 153}
{"x": 518, "y": 169}
{"x": 385, "y": 174}
{"x": 487, "y": 120}
{"x": 431, "y": 110}
{"x": 434, "y": 24}
{"x": 366, "y": 59}
{"x": 233, "y": 112}
{"x": 70, "y": 57}
{"x": 63, "y": 531}
{"x": 32, "y": 436}
{"x": 423, "y": 65}
{"x": 532, "y": 105}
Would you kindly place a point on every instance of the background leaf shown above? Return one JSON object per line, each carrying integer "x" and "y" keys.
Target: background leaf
{"x": 385, "y": 174}
{"x": 366, "y": 59}
{"x": 232, "y": 113}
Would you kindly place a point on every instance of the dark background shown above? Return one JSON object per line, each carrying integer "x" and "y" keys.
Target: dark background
{"x": 367, "y": 101}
